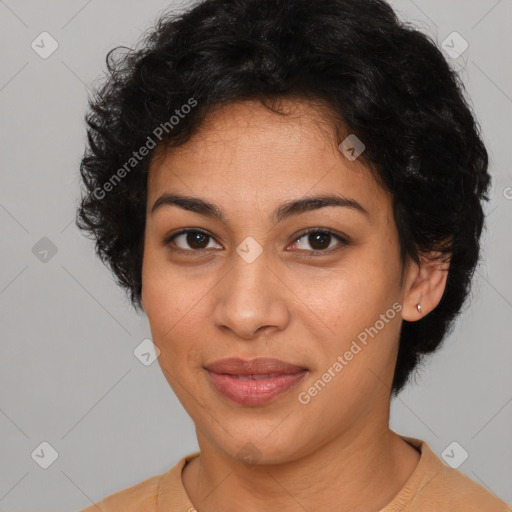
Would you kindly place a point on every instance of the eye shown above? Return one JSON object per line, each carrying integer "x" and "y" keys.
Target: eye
{"x": 320, "y": 240}
{"x": 196, "y": 239}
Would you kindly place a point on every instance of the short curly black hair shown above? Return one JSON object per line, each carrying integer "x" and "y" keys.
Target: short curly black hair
{"x": 387, "y": 83}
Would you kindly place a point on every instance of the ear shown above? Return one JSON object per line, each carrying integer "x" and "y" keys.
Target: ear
{"x": 424, "y": 284}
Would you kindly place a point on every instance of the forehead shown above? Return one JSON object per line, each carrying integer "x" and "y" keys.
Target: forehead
{"x": 243, "y": 150}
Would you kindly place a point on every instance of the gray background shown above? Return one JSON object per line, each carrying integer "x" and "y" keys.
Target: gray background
{"x": 68, "y": 374}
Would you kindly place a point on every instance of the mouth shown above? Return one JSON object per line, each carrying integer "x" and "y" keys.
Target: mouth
{"x": 255, "y": 382}
{"x": 256, "y": 377}
{"x": 257, "y": 367}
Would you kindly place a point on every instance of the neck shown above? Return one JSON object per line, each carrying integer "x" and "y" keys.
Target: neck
{"x": 335, "y": 476}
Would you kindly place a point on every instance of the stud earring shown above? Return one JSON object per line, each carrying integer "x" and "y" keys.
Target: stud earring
{"x": 418, "y": 306}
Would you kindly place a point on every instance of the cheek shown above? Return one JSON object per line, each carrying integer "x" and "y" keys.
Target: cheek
{"x": 357, "y": 307}
{"x": 175, "y": 307}
{"x": 166, "y": 294}
{"x": 365, "y": 286}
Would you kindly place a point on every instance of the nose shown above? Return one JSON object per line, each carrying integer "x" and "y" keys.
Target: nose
{"x": 251, "y": 300}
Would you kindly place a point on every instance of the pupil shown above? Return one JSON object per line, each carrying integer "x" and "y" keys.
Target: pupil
{"x": 195, "y": 238}
{"x": 315, "y": 237}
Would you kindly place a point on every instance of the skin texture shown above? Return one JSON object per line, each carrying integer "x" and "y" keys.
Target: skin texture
{"x": 289, "y": 304}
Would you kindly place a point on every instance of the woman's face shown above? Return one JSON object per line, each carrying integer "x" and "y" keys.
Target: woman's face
{"x": 252, "y": 284}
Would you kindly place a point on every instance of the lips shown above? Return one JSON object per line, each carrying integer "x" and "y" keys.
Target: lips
{"x": 253, "y": 382}
{"x": 260, "y": 366}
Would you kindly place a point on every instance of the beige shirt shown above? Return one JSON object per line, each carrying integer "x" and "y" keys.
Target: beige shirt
{"x": 432, "y": 487}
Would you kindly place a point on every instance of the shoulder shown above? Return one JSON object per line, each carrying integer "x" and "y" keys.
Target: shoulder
{"x": 146, "y": 495}
{"x": 451, "y": 490}
{"x": 454, "y": 486}
{"x": 442, "y": 488}
{"x": 142, "y": 496}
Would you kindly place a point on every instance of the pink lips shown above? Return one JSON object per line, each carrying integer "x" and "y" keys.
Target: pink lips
{"x": 253, "y": 382}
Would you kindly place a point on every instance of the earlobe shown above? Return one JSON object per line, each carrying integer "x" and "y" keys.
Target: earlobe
{"x": 425, "y": 286}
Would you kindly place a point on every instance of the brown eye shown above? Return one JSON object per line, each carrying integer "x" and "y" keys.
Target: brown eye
{"x": 190, "y": 240}
{"x": 319, "y": 240}
{"x": 196, "y": 239}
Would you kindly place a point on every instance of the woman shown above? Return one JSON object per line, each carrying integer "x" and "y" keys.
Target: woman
{"x": 291, "y": 191}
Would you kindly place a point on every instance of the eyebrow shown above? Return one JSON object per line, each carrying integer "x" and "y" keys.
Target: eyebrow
{"x": 287, "y": 209}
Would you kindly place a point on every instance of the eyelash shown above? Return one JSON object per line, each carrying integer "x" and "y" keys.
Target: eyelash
{"x": 344, "y": 241}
